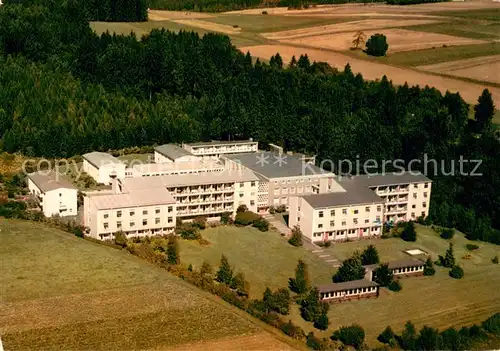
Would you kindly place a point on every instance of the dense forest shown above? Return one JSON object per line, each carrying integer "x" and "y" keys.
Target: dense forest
{"x": 65, "y": 91}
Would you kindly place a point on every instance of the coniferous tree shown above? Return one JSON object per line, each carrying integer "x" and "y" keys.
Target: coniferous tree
{"x": 383, "y": 275}
{"x": 350, "y": 269}
{"x": 409, "y": 233}
{"x": 370, "y": 256}
{"x": 300, "y": 284}
{"x": 449, "y": 257}
{"x": 225, "y": 272}
{"x": 387, "y": 336}
{"x": 408, "y": 337}
{"x": 484, "y": 110}
{"x": 296, "y": 238}
{"x": 173, "y": 250}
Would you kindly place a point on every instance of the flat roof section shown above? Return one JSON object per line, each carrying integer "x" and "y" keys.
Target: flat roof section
{"x": 391, "y": 179}
{"x": 99, "y": 159}
{"x": 172, "y": 151}
{"x": 272, "y": 165}
{"x": 142, "y": 198}
{"x": 221, "y": 142}
{"x": 353, "y": 196}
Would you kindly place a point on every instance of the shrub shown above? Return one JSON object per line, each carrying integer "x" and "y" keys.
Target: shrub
{"x": 492, "y": 324}
{"x": 447, "y": 233}
{"x": 300, "y": 284}
{"x": 313, "y": 342}
{"x": 264, "y": 12}
{"x": 120, "y": 239}
{"x": 387, "y": 336}
{"x": 353, "y": 335}
{"x": 296, "y": 239}
{"x": 225, "y": 272}
{"x": 189, "y": 232}
{"x": 456, "y": 272}
{"x": 225, "y": 218}
{"x": 471, "y": 247}
{"x": 395, "y": 286}
{"x": 377, "y": 45}
{"x": 203, "y": 241}
{"x": 495, "y": 260}
{"x": 321, "y": 322}
{"x": 200, "y": 222}
{"x": 242, "y": 208}
{"x": 281, "y": 209}
{"x": 292, "y": 330}
{"x": 272, "y": 210}
{"x": 245, "y": 218}
{"x": 261, "y": 224}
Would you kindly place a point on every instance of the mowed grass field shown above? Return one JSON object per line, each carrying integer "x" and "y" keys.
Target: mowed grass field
{"x": 267, "y": 259}
{"x": 61, "y": 292}
{"x": 438, "y": 301}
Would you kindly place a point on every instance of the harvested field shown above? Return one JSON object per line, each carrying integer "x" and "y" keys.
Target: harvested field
{"x": 161, "y": 15}
{"x": 210, "y": 26}
{"x": 398, "y": 39}
{"x": 63, "y": 293}
{"x": 480, "y": 68}
{"x": 257, "y": 342}
{"x": 374, "y": 70}
{"x": 348, "y": 27}
{"x": 352, "y": 8}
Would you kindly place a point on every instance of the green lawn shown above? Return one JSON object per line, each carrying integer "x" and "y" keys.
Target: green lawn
{"x": 270, "y": 23}
{"x": 438, "y": 301}
{"x": 266, "y": 259}
{"x": 61, "y": 292}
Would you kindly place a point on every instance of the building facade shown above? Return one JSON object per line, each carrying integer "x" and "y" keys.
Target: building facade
{"x": 100, "y": 165}
{"x": 356, "y": 289}
{"x": 55, "y": 195}
{"x": 215, "y": 149}
{"x": 135, "y": 213}
{"x": 168, "y": 153}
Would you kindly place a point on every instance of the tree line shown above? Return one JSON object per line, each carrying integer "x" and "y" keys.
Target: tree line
{"x": 114, "y": 91}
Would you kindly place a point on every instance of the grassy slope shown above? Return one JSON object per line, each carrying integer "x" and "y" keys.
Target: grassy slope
{"x": 438, "y": 301}
{"x": 60, "y": 292}
{"x": 265, "y": 258}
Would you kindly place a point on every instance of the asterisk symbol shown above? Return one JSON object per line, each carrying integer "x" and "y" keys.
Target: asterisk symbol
{"x": 262, "y": 160}
{"x": 280, "y": 160}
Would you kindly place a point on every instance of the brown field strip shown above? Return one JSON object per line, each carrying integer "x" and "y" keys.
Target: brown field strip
{"x": 211, "y": 26}
{"x": 398, "y": 39}
{"x": 373, "y": 70}
{"x": 306, "y": 33}
{"x": 481, "y": 68}
{"x": 161, "y": 15}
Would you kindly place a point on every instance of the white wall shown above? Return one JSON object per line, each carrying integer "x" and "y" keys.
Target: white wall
{"x": 62, "y": 201}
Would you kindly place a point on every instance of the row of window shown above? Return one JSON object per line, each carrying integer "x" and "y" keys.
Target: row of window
{"x": 347, "y": 292}
{"x": 284, "y": 191}
{"x": 297, "y": 181}
{"x": 321, "y": 214}
{"x": 344, "y": 223}
{"x": 131, "y": 213}
{"x": 348, "y": 232}
{"x": 132, "y": 223}
{"x": 252, "y": 184}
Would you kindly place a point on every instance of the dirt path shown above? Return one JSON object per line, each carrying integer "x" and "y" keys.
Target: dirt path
{"x": 373, "y": 70}
{"x": 160, "y": 15}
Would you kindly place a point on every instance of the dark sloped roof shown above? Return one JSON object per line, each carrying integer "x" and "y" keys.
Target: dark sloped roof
{"x": 271, "y": 165}
{"x": 172, "y": 151}
{"x": 352, "y": 196}
{"x": 390, "y": 179}
{"x": 405, "y": 263}
{"x": 355, "y": 284}
{"x": 50, "y": 181}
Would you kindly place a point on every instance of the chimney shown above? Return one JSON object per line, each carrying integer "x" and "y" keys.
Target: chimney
{"x": 114, "y": 182}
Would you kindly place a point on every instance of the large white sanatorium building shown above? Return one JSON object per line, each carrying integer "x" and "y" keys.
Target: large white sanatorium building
{"x": 208, "y": 179}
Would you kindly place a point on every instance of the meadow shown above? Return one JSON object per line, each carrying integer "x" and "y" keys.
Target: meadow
{"x": 439, "y": 301}
{"x": 61, "y": 292}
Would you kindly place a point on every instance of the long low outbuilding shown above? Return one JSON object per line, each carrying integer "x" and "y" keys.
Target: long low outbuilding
{"x": 355, "y": 289}
{"x": 400, "y": 268}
